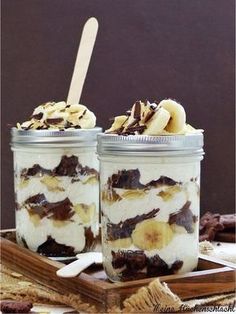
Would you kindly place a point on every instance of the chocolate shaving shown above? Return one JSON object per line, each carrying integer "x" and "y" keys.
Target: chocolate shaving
{"x": 24, "y": 242}
{"x": 84, "y": 112}
{"x": 138, "y": 128}
{"x": 149, "y": 115}
{"x": 54, "y": 121}
{"x": 124, "y": 229}
{"x": 137, "y": 110}
{"x": 53, "y": 249}
{"x": 184, "y": 217}
{"x": 37, "y": 116}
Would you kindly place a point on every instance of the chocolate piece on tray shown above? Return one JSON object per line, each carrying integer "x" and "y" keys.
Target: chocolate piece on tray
{"x": 209, "y": 225}
{"x": 15, "y": 306}
{"x": 225, "y": 236}
{"x": 184, "y": 217}
{"x": 53, "y": 249}
{"x": 124, "y": 229}
{"x": 228, "y": 221}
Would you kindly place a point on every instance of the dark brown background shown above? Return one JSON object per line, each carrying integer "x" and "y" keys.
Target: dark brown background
{"x": 153, "y": 49}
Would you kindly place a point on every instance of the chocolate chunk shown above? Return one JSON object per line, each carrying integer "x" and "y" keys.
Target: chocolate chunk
{"x": 163, "y": 180}
{"x": 91, "y": 240}
{"x": 225, "y": 237}
{"x": 15, "y": 306}
{"x": 133, "y": 260}
{"x": 184, "y": 217}
{"x": 118, "y": 259}
{"x": 128, "y": 275}
{"x": 124, "y": 229}
{"x": 62, "y": 210}
{"x": 35, "y": 170}
{"x": 37, "y": 116}
{"x": 68, "y": 166}
{"x": 157, "y": 267}
{"x": 38, "y": 204}
{"x": 37, "y": 199}
{"x": 53, "y": 249}
{"x": 137, "y": 265}
{"x": 54, "y": 121}
{"x": 176, "y": 266}
{"x": 126, "y": 179}
{"x": 209, "y": 225}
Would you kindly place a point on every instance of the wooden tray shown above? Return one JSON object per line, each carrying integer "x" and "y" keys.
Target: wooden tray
{"x": 211, "y": 277}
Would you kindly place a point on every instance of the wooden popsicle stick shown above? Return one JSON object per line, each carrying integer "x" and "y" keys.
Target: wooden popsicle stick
{"x": 82, "y": 60}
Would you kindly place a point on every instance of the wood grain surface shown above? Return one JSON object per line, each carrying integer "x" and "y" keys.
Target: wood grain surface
{"x": 212, "y": 277}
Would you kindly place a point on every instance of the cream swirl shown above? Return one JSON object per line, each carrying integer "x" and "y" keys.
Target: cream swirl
{"x": 52, "y": 115}
{"x": 166, "y": 118}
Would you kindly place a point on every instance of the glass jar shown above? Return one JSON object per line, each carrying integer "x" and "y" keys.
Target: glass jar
{"x": 56, "y": 190}
{"x": 150, "y": 188}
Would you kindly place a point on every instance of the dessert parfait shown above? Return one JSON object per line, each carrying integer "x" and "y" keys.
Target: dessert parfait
{"x": 150, "y": 183}
{"x": 56, "y": 180}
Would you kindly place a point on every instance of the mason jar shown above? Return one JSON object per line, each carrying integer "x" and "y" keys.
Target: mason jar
{"x": 150, "y": 187}
{"x": 56, "y": 182}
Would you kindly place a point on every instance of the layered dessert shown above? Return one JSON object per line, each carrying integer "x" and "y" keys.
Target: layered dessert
{"x": 56, "y": 187}
{"x": 150, "y": 204}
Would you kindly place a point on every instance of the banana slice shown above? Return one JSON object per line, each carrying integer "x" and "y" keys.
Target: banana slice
{"x": 134, "y": 194}
{"x": 121, "y": 243}
{"x": 85, "y": 212}
{"x": 52, "y": 183}
{"x": 118, "y": 122}
{"x": 151, "y": 234}
{"x": 158, "y": 122}
{"x": 177, "y": 115}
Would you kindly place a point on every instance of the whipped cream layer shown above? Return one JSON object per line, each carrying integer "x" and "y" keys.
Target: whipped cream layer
{"x": 156, "y": 201}
{"x": 166, "y": 118}
{"x": 57, "y": 196}
{"x": 59, "y": 115}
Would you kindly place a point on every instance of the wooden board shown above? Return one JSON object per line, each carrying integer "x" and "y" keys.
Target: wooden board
{"x": 211, "y": 277}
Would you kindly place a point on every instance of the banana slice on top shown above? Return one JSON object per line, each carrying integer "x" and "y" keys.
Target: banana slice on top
{"x": 158, "y": 122}
{"x": 177, "y": 113}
